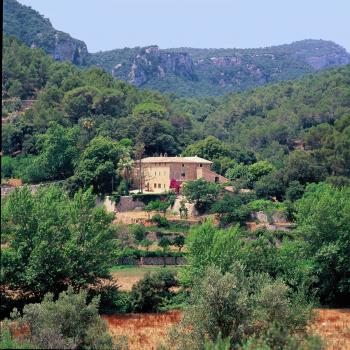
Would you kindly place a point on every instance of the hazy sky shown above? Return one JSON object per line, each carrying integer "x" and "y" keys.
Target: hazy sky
{"x": 109, "y": 24}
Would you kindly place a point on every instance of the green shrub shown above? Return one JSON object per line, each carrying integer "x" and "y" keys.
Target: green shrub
{"x": 7, "y": 341}
{"x": 138, "y": 253}
{"x": 146, "y": 197}
{"x": 139, "y": 232}
{"x": 236, "y": 306}
{"x": 160, "y": 221}
{"x": 69, "y": 322}
{"x": 265, "y": 205}
{"x": 153, "y": 291}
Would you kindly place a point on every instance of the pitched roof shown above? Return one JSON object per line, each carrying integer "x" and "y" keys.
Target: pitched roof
{"x": 175, "y": 160}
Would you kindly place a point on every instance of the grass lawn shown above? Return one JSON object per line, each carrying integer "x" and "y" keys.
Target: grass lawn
{"x": 173, "y": 228}
{"x": 127, "y": 275}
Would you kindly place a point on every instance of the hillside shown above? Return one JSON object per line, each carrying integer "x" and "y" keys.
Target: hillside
{"x": 200, "y": 72}
{"x": 267, "y": 123}
{"x": 184, "y": 71}
{"x": 37, "y": 31}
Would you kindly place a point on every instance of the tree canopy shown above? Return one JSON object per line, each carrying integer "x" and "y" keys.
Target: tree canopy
{"x": 54, "y": 240}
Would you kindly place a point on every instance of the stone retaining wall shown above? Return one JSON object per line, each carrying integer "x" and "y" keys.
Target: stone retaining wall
{"x": 126, "y": 203}
{"x": 6, "y": 190}
{"x": 170, "y": 260}
{"x": 264, "y": 217}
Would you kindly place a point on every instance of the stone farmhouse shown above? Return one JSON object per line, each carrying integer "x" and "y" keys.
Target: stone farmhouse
{"x": 160, "y": 174}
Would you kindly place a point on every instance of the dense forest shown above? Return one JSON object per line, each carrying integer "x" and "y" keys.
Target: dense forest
{"x": 301, "y": 128}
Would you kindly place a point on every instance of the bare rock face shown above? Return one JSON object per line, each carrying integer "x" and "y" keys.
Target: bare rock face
{"x": 68, "y": 49}
{"x": 184, "y": 71}
{"x": 62, "y": 47}
{"x": 321, "y": 54}
{"x": 36, "y": 31}
{"x": 201, "y": 72}
{"x": 152, "y": 63}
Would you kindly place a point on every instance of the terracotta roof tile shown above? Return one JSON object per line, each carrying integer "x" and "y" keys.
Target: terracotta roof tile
{"x": 175, "y": 160}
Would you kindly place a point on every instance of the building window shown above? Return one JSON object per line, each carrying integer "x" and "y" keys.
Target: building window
{"x": 164, "y": 185}
{"x": 183, "y": 174}
{"x": 200, "y": 165}
{"x": 155, "y": 173}
{"x": 155, "y": 185}
{"x": 183, "y": 165}
{"x": 159, "y": 185}
{"x": 216, "y": 179}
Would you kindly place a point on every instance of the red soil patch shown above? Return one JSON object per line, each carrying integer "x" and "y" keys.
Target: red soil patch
{"x": 143, "y": 331}
{"x": 333, "y": 325}
{"x": 148, "y": 331}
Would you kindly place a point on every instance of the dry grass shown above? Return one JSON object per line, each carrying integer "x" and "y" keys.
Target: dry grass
{"x": 126, "y": 277}
{"x": 333, "y": 325}
{"x": 148, "y": 331}
{"x": 143, "y": 331}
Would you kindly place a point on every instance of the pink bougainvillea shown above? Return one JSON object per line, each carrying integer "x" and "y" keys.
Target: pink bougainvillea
{"x": 175, "y": 185}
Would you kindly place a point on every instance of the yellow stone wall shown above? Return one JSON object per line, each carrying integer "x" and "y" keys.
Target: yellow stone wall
{"x": 156, "y": 177}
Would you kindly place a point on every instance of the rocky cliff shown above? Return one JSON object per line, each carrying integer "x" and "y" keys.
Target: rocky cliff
{"x": 151, "y": 62}
{"x": 188, "y": 71}
{"x": 36, "y": 31}
{"x": 184, "y": 71}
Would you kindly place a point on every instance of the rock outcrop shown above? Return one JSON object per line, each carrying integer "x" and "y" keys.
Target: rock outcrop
{"x": 189, "y": 71}
{"x": 184, "y": 71}
{"x": 152, "y": 63}
{"x": 37, "y": 32}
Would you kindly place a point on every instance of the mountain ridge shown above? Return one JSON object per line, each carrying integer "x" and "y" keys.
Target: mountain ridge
{"x": 183, "y": 71}
{"x": 36, "y": 31}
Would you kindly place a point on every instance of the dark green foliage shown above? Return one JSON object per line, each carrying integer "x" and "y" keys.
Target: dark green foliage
{"x": 15, "y": 167}
{"x": 96, "y": 165}
{"x": 24, "y": 70}
{"x": 210, "y": 148}
{"x": 249, "y": 125}
{"x": 323, "y": 220}
{"x": 138, "y": 253}
{"x": 232, "y": 207}
{"x": 153, "y": 291}
{"x": 202, "y": 193}
{"x": 260, "y": 251}
{"x": 294, "y": 191}
{"x": 139, "y": 232}
{"x": 34, "y": 29}
{"x": 54, "y": 240}
{"x": 271, "y": 185}
{"x": 249, "y": 174}
{"x": 237, "y": 306}
{"x": 164, "y": 243}
{"x": 67, "y": 323}
{"x": 179, "y": 241}
{"x": 56, "y": 155}
{"x": 158, "y": 205}
{"x": 160, "y": 221}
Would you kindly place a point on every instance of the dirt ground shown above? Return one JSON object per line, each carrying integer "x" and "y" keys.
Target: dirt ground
{"x": 127, "y": 276}
{"x": 143, "y": 331}
{"x": 142, "y": 217}
{"x": 148, "y": 331}
{"x": 333, "y": 325}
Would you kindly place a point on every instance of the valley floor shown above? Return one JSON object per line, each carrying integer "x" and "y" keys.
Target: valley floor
{"x": 148, "y": 331}
{"x": 126, "y": 276}
{"x": 333, "y": 325}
